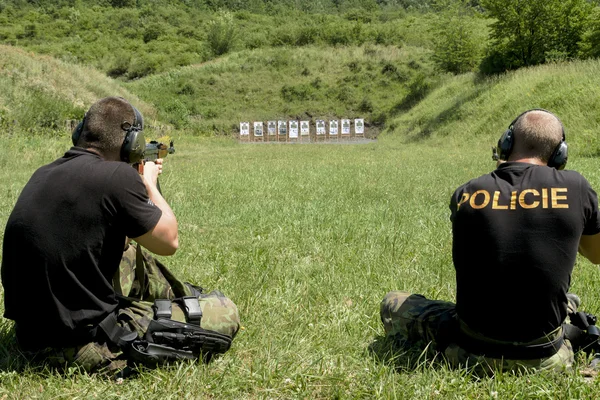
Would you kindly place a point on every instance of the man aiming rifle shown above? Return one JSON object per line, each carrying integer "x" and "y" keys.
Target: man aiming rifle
{"x": 76, "y": 296}
{"x": 516, "y": 233}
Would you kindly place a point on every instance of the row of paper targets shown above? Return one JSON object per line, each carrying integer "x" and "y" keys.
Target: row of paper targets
{"x": 293, "y": 129}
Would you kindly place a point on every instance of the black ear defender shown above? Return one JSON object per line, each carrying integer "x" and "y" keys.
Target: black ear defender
{"x": 77, "y": 131}
{"x": 558, "y": 158}
{"x": 134, "y": 144}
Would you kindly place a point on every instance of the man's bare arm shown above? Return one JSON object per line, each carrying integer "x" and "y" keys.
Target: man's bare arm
{"x": 589, "y": 247}
{"x": 163, "y": 239}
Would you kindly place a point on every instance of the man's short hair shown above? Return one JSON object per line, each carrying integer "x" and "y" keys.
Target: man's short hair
{"x": 536, "y": 135}
{"x": 103, "y": 126}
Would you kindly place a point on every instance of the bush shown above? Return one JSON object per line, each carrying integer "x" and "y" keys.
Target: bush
{"x": 456, "y": 48}
{"x": 221, "y": 34}
{"x": 144, "y": 65}
{"x": 337, "y": 34}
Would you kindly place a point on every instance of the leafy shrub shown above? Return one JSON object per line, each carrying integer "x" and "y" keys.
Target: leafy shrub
{"x": 221, "y": 34}
{"x": 365, "y": 105}
{"x": 120, "y": 65}
{"x": 306, "y": 34}
{"x": 144, "y": 65}
{"x": 337, "y": 34}
{"x": 122, "y": 3}
{"x": 152, "y": 32}
{"x": 456, "y": 48}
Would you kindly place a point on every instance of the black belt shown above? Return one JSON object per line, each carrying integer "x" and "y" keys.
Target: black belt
{"x": 509, "y": 351}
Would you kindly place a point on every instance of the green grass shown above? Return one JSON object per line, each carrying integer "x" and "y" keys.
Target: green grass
{"x": 306, "y": 239}
{"x": 38, "y": 94}
{"x": 469, "y": 108}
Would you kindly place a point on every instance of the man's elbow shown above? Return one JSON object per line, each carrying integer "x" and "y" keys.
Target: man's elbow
{"x": 594, "y": 259}
{"x": 591, "y": 256}
{"x": 170, "y": 247}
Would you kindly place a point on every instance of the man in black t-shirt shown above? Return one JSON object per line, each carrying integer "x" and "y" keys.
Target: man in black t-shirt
{"x": 516, "y": 234}
{"x": 64, "y": 269}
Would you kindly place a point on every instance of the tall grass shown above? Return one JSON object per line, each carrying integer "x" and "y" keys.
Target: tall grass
{"x": 38, "y": 94}
{"x": 468, "y": 108}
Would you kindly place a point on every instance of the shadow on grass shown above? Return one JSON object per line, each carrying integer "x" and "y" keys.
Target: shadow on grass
{"x": 452, "y": 113}
{"x": 11, "y": 357}
{"x": 404, "y": 358}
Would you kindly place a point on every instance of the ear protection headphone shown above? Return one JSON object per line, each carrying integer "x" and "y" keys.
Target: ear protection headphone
{"x": 558, "y": 158}
{"x": 134, "y": 144}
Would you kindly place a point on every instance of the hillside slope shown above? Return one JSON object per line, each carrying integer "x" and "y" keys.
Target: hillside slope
{"x": 467, "y": 108}
{"x": 394, "y": 89}
{"x": 308, "y": 82}
{"x": 38, "y": 94}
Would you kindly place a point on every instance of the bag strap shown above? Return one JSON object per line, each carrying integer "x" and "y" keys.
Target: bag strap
{"x": 116, "y": 333}
{"x": 191, "y": 309}
{"x": 139, "y": 269}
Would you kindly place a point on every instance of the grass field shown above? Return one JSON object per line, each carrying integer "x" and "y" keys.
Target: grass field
{"x": 306, "y": 239}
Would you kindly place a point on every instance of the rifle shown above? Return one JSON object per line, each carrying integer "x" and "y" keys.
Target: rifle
{"x": 154, "y": 150}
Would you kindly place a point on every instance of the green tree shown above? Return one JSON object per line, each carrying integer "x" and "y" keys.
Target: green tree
{"x": 530, "y": 32}
{"x": 457, "y": 46}
{"x": 590, "y": 45}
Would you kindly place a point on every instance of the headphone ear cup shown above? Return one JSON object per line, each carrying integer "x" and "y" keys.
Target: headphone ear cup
{"x": 559, "y": 156}
{"x": 133, "y": 147}
{"x": 77, "y": 131}
{"x": 505, "y": 144}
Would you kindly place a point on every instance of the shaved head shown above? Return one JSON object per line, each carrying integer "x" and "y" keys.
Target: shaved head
{"x": 536, "y": 135}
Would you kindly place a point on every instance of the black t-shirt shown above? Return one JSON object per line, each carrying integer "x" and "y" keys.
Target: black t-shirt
{"x": 516, "y": 234}
{"x": 63, "y": 243}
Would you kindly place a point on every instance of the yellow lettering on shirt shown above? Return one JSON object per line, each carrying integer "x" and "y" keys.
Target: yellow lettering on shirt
{"x": 556, "y": 197}
{"x": 495, "y": 204}
{"x": 486, "y": 199}
{"x": 522, "y": 201}
{"x": 526, "y": 199}
{"x": 464, "y": 198}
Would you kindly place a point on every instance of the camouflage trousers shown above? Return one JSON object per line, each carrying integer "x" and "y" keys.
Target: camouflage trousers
{"x": 219, "y": 313}
{"x": 427, "y": 328}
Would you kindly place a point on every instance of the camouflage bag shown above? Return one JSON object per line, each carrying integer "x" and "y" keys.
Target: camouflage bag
{"x": 135, "y": 332}
{"x": 181, "y": 323}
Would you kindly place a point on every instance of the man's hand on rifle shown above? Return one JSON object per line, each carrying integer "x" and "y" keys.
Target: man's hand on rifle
{"x": 151, "y": 170}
